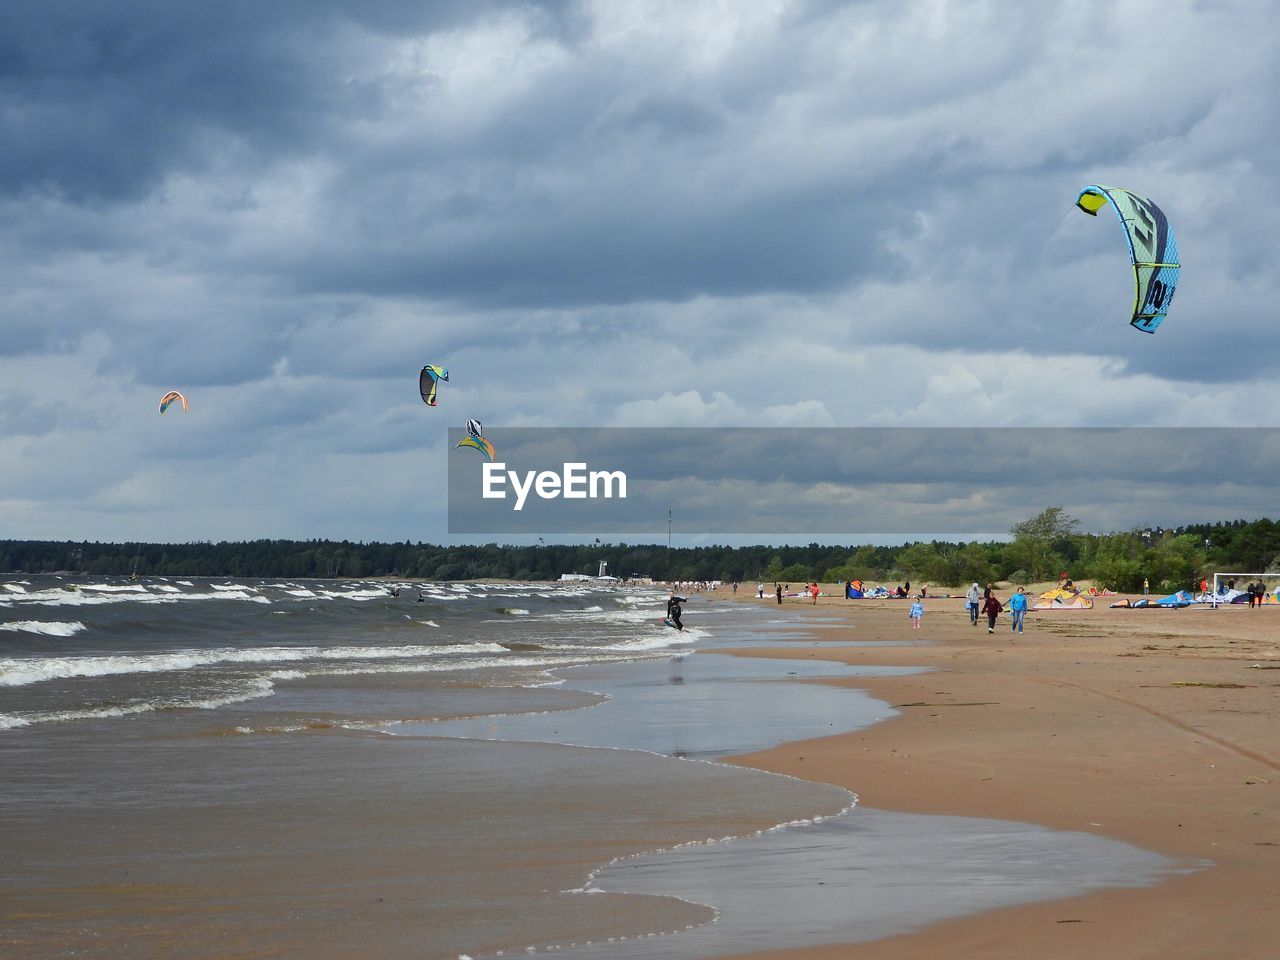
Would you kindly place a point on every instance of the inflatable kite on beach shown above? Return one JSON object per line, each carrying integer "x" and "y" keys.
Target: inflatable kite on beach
{"x": 169, "y": 398}
{"x": 1152, "y": 249}
{"x": 428, "y": 380}
{"x": 475, "y": 439}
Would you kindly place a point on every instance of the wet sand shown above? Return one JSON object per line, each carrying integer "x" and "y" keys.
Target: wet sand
{"x": 1158, "y": 728}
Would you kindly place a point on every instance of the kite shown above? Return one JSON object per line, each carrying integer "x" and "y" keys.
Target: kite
{"x": 479, "y": 443}
{"x": 167, "y": 400}
{"x": 428, "y": 380}
{"x": 476, "y": 440}
{"x": 1151, "y": 247}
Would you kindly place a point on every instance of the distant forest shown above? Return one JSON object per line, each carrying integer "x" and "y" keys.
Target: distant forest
{"x": 1041, "y": 548}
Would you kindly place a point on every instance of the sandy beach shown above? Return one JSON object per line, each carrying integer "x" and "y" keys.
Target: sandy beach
{"x": 1158, "y": 728}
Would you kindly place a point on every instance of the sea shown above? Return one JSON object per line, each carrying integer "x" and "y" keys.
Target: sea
{"x": 329, "y": 769}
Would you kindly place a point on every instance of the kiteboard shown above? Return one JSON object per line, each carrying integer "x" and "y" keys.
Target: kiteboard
{"x": 670, "y": 623}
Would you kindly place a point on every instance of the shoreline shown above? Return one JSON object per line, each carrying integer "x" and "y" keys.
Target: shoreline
{"x": 1127, "y": 724}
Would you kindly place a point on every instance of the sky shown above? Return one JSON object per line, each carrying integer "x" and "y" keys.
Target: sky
{"x": 617, "y": 214}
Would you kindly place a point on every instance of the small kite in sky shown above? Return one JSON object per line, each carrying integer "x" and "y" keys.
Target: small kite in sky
{"x": 476, "y": 440}
{"x": 171, "y": 397}
{"x": 428, "y": 381}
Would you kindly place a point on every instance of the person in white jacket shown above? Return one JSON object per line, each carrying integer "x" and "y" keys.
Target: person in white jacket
{"x": 973, "y": 599}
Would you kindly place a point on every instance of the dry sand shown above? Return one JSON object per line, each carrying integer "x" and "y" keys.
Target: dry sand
{"x": 1160, "y": 728}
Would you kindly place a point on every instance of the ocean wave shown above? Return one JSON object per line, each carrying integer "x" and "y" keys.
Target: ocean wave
{"x": 353, "y": 594}
{"x": 20, "y": 672}
{"x": 78, "y": 598}
{"x": 646, "y": 600}
{"x": 253, "y": 688}
{"x": 53, "y": 628}
{"x": 514, "y": 611}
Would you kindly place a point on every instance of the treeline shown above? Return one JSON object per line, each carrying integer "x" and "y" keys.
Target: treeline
{"x": 1041, "y": 548}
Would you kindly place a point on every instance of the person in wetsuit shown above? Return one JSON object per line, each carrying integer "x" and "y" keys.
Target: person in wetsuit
{"x": 674, "y": 610}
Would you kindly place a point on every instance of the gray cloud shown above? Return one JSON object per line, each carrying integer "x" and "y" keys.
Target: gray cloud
{"x": 650, "y": 214}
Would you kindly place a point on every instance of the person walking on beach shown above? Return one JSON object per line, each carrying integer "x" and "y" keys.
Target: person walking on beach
{"x": 779, "y": 591}
{"x": 973, "y": 600}
{"x": 915, "y": 613}
{"x": 759, "y": 591}
{"x": 1018, "y": 610}
{"x": 814, "y": 590}
{"x": 992, "y": 607}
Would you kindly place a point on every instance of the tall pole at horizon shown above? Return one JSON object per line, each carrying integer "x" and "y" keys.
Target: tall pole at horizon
{"x": 668, "y": 526}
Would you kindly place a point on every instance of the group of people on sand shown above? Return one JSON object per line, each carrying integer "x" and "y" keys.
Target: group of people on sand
{"x": 1256, "y": 591}
{"x": 986, "y": 602}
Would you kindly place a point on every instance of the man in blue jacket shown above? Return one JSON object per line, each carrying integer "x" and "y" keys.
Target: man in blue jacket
{"x": 1018, "y": 609}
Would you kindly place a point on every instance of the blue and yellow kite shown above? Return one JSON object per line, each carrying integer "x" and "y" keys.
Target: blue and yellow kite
{"x": 1151, "y": 247}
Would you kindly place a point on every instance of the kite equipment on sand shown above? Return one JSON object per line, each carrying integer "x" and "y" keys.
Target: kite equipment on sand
{"x": 1151, "y": 248}
{"x": 1061, "y": 599}
{"x": 170, "y": 398}
{"x": 428, "y": 380}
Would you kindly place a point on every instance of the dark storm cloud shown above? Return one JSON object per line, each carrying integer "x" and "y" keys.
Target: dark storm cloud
{"x": 103, "y": 99}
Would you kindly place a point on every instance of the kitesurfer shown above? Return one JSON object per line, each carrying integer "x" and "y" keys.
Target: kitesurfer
{"x": 674, "y": 610}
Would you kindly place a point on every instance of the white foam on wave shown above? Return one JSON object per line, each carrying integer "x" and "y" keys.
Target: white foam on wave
{"x": 352, "y": 594}
{"x": 114, "y": 588}
{"x": 16, "y": 588}
{"x": 301, "y": 592}
{"x": 8, "y": 721}
{"x": 52, "y": 628}
{"x": 514, "y": 611}
{"x": 19, "y": 672}
{"x": 598, "y": 615}
{"x": 633, "y": 600}
{"x": 78, "y": 598}
{"x": 424, "y": 623}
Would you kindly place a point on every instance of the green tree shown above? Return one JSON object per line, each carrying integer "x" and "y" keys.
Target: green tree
{"x": 1042, "y": 544}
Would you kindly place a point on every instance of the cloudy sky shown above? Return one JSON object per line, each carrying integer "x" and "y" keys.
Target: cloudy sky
{"x": 787, "y": 214}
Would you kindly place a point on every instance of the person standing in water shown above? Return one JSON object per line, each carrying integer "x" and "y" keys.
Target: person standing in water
{"x": 674, "y": 610}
